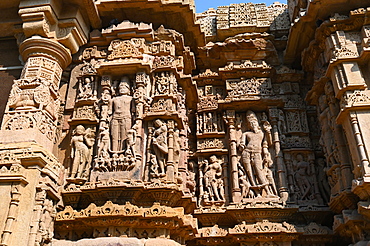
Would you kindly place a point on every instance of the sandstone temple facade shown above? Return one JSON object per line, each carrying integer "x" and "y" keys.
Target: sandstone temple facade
{"x": 135, "y": 122}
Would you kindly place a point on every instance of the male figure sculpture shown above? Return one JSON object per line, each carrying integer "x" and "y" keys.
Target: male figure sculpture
{"x": 252, "y": 150}
{"x": 121, "y": 109}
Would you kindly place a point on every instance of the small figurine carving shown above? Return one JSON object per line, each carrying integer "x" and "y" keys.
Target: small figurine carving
{"x": 245, "y": 185}
{"x": 103, "y": 141}
{"x": 47, "y": 222}
{"x": 190, "y": 178}
{"x": 210, "y": 124}
{"x": 301, "y": 177}
{"x": 81, "y": 142}
{"x": 131, "y": 141}
{"x": 213, "y": 179}
{"x": 160, "y": 145}
{"x": 87, "y": 88}
{"x": 323, "y": 184}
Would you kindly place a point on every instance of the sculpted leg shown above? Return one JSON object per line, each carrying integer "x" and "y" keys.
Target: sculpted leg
{"x": 115, "y": 135}
{"x": 258, "y": 167}
{"x": 246, "y": 160}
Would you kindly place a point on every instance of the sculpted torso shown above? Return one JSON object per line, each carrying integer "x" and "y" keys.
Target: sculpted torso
{"x": 254, "y": 140}
{"x": 122, "y": 106}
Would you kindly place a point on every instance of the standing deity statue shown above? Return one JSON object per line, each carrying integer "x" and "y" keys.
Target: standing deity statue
{"x": 213, "y": 179}
{"x": 255, "y": 155}
{"x": 160, "y": 145}
{"x": 81, "y": 142}
{"x": 122, "y": 108}
{"x": 322, "y": 179}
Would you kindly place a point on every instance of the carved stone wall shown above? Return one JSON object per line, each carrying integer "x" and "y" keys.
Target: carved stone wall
{"x": 125, "y": 127}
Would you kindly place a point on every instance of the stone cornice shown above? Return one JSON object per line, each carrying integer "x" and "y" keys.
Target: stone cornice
{"x": 179, "y": 15}
{"x": 51, "y": 20}
{"x": 128, "y": 215}
{"x": 304, "y": 28}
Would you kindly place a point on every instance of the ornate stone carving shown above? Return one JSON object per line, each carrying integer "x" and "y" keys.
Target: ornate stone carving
{"x": 81, "y": 143}
{"x": 158, "y": 159}
{"x": 209, "y": 122}
{"x": 133, "y": 48}
{"x": 236, "y": 145}
{"x": 264, "y": 226}
{"x": 164, "y": 84}
{"x": 87, "y": 88}
{"x": 256, "y": 159}
{"x": 129, "y": 220}
{"x": 47, "y": 218}
{"x": 212, "y": 188}
{"x": 122, "y": 109}
{"x": 211, "y": 143}
{"x": 239, "y": 89}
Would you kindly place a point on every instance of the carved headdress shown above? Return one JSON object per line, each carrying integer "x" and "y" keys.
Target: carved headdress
{"x": 251, "y": 116}
{"x": 125, "y": 81}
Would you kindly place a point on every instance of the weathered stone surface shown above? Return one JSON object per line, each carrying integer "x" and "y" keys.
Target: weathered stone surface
{"x": 101, "y": 242}
{"x": 142, "y": 123}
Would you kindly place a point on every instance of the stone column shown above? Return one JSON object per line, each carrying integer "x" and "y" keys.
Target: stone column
{"x": 360, "y": 144}
{"x": 281, "y": 170}
{"x": 28, "y": 133}
{"x": 170, "y": 164}
{"x": 34, "y": 100}
{"x": 225, "y": 178}
{"x": 235, "y": 187}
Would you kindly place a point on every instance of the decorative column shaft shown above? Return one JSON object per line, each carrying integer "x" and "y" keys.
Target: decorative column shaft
{"x": 360, "y": 144}
{"x": 12, "y": 215}
{"x": 34, "y": 100}
{"x": 170, "y": 164}
{"x": 235, "y": 187}
{"x": 281, "y": 172}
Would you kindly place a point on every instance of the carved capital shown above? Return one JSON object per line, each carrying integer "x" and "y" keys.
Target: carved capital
{"x": 37, "y": 46}
{"x": 45, "y": 20}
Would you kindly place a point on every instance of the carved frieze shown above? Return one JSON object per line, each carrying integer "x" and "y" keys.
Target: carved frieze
{"x": 242, "y": 89}
{"x": 133, "y": 48}
{"x": 95, "y": 218}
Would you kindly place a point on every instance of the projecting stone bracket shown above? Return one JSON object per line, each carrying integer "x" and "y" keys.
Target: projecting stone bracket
{"x": 50, "y": 20}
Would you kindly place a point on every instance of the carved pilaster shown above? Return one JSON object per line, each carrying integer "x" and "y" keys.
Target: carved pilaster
{"x": 235, "y": 187}
{"x": 281, "y": 171}
{"x": 364, "y": 159}
{"x": 170, "y": 161}
{"x": 347, "y": 76}
{"x": 12, "y": 215}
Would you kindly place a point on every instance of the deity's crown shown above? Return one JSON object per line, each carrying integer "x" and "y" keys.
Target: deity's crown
{"x": 125, "y": 82}
{"x": 251, "y": 116}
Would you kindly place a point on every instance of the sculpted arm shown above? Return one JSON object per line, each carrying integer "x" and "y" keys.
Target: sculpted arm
{"x": 267, "y": 127}
{"x": 72, "y": 148}
{"x": 110, "y": 108}
{"x": 242, "y": 140}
